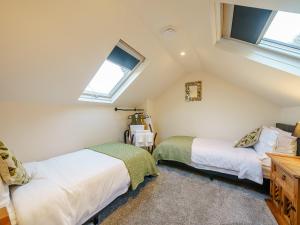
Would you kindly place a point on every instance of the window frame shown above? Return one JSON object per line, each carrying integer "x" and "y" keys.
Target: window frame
{"x": 264, "y": 43}
{"x": 275, "y": 45}
{"x": 269, "y": 57}
{"x": 93, "y": 96}
{"x": 280, "y": 47}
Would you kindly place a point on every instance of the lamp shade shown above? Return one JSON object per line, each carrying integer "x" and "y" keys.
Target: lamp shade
{"x": 297, "y": 130}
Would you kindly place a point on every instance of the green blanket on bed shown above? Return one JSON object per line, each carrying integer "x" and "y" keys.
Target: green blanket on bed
{"x": 138, "y": 161}
{"x": 176, "y": 148}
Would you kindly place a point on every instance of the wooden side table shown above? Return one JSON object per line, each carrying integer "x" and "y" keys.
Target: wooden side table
{"x": 284, "y": 200}
{"x": 4, "y": 218}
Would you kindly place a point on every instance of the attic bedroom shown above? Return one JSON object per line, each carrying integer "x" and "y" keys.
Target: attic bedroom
{"x": 141, "y": 112}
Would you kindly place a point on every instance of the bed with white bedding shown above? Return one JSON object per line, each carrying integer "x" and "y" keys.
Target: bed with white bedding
{"x": 213, "y": 155}
{"x": 72, "y": 188}
{"x": 221, "y": 156}
{"x": 69, "y": 189}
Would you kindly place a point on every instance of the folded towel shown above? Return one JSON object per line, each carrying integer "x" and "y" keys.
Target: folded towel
{"x": 149, "y": 139}
{"x": 139, "y": 137}
{"x": 134, "y": 128}
{"x": 143, "y": 138}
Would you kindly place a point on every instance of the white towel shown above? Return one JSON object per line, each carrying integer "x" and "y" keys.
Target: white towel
{"x": 134, "y": 128}
{"x": 143, "y": 138}
{"x": 139, "y": 137}
{"x": 149, "y": 139}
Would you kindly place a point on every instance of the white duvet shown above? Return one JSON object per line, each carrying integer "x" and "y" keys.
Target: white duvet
{"x": 69, "y": 189}
{"x": 221, "y": 156}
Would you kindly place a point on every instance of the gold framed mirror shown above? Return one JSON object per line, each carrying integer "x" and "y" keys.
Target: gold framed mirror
{"x": 193, "y": 91}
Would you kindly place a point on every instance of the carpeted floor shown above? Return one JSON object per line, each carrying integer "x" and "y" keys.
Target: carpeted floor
{"x": 183, "y": 197}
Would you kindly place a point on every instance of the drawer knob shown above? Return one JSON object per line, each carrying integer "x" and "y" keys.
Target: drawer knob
{"x": 283, "y": 177}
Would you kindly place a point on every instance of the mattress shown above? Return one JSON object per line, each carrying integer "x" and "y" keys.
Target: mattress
{"x": 69, "y": 189}
{"x": 214, "y": 155}
{"x": 221, "y": 155}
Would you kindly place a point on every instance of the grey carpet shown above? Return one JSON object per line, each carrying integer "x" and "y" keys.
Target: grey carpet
{"x": 181, "y": 197}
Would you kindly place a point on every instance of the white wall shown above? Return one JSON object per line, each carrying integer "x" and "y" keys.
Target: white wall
{"x": 39, "y": 131}
{"x": 290, "y": 115}
{"x": 226, "y": 111}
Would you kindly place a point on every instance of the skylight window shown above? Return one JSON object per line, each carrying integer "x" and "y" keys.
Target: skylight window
{"x": 275, "y": 30}
{"x": 106, "y": 78}
{"x": 114, "y": 75}
{"x": 284, "y": 32}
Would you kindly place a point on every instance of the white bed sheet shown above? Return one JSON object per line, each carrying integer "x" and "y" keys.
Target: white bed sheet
{"x": 266, "y": 162}
{"x": 220, "y": 156}
{"x": 69, "y": 189}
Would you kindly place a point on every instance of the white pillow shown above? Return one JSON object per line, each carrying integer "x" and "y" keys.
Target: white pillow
{"x": 267, "y": 142}
{"x": 286, "y": 144}
{"x": 282, "y": 131}
{"x": 6, "y": 202}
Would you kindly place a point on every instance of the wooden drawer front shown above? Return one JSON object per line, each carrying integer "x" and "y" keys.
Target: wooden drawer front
{"x": 288, "y": 210}
{"x": 285, "y": 180}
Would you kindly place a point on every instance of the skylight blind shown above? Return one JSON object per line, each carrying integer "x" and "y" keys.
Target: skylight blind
{"x": 122, "y": 58}
{"x": 248, "y": 23}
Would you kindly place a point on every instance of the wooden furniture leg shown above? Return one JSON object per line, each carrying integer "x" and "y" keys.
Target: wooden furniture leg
{"x": 4, "y": 217}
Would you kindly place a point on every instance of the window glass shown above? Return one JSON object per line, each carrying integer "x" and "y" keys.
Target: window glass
{"x": 113, "y": 73}
{"x": 284, "y": 29}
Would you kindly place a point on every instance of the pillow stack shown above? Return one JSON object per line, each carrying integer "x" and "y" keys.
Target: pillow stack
{"x": 269, "y": 139}
{"x": 11, "y": 173}
{"x": 267, "y": 142}
{"x": 286, "y": 143}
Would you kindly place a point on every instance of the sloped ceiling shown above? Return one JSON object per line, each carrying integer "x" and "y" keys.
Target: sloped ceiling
{"x": 193, "y": 21}
{"x": 51, "y": 49}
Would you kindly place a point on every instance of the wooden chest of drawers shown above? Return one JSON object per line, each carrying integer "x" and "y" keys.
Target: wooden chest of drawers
{"x": 284, "y": 199}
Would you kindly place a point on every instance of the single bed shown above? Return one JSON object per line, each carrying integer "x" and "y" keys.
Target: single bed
{"x": 217, "y": 155}
{"x": 72, "y": 188}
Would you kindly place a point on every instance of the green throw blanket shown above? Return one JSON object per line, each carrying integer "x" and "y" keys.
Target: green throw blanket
{"x": 138, "y": 161}
{"x": 177, "y": 148}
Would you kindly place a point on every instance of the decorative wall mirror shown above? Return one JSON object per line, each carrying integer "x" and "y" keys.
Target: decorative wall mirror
{"x": 193, "y": 91}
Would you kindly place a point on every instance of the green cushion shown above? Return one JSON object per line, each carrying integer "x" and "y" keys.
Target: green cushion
{"x": 250, "y": 139}
{"x": 11, "y": 169}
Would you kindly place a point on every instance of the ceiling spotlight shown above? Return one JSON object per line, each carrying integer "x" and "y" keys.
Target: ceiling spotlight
{"x": 182, "y": 53}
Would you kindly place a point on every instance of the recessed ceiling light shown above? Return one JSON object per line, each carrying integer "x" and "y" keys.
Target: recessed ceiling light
{"x": 168, "y": 32}
{"x": 182, "y": 53}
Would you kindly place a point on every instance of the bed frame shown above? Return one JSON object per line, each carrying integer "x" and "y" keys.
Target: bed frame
{"x": 264, "y": 188}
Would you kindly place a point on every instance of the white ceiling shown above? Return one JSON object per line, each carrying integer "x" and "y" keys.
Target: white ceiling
{"x": 50, "y": 51}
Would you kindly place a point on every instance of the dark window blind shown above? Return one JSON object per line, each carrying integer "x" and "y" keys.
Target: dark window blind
{"x": 248, "y": 23}
{"x": 123, "y": 58}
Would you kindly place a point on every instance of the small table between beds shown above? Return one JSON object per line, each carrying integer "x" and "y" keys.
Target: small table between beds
{"x": 284, "y": 199}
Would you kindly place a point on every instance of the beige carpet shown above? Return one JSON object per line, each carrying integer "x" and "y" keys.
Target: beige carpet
{"x": 183, "y": 197}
